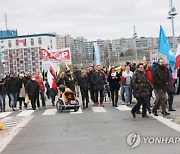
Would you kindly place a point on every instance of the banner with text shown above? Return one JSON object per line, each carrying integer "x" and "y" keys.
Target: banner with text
{"x": 58, "y": 55}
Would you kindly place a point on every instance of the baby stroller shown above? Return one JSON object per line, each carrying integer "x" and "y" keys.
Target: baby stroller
{"x": 67, "y": 100}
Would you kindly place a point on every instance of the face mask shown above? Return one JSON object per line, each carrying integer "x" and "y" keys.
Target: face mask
{"x": 33, "y": 79}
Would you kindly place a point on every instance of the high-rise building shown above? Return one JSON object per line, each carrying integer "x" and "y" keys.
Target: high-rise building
{"x": 22, "y": 53}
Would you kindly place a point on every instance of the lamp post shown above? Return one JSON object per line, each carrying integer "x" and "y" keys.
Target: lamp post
{"x": 172, "y": 12}
{"x": 135, "y": 48}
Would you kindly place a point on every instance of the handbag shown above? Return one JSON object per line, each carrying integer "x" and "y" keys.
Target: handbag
{"x": 27, "y": 99}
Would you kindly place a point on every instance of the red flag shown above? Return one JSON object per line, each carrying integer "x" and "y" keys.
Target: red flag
{"x": 51, "y": 77}
{"x": 177, "y": 65}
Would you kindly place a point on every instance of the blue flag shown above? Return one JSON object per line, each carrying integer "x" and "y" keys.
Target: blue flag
{"x": 165, "y": 49}
{"x": 96, "y": 55}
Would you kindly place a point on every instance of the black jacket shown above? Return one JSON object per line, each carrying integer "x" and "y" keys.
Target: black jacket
{"x": 13, "y": 85}
{"x": 98, "y": 80}
{"x": 114, "y": 83}
{"x": 32, "y": 88}
{"x": 83, "y": 82}
{"x": 160, "y": 77}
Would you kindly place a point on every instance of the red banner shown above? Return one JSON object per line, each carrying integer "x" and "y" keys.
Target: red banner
{"x": 59, "y": 55}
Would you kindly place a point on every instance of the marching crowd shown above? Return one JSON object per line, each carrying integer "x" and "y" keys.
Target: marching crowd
{"x": 139, "y": 81}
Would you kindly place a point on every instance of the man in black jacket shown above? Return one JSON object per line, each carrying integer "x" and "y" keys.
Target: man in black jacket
{"x": 13, "y": 89}
{"x": 98, "y": 80}
{"x": 160, "y": 84}
{"x": 91, "y": 85}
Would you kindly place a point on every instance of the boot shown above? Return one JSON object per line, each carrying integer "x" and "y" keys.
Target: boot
{"x": 86, "y": 104}
{"x": 83, "y": 105}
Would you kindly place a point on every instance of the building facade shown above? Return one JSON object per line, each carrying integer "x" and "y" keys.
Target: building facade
{"x": 22, "y": 53}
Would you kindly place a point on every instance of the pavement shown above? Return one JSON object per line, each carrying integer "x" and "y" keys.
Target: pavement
{"x": 94, "y": 130}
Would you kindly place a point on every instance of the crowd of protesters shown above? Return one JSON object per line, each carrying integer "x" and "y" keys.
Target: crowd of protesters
{"x": 138, "y": 81}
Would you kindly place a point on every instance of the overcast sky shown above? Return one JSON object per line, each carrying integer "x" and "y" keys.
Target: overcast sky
{"x": 93, "y": 19}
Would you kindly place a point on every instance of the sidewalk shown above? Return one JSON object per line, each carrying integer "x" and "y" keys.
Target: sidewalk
{"x": 175, "y": 115}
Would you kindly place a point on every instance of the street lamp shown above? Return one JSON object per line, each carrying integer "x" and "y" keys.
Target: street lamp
{"x": 172, "y": 12}
{"x": 135, "y": 48}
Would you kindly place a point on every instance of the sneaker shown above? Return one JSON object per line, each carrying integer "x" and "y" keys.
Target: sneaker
{"x": 172, "y": 109}
{"x": 102, "y": 105}
{"x": 123, "y": 103}
{"x": 145, "y": 116}
{"x": 166, "y": 114}
{"x": 116, "y": 105}
{"x": 155, "y": 113}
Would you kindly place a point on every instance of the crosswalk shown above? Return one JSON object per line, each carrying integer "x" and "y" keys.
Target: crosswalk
{"x": 49, "y": 112}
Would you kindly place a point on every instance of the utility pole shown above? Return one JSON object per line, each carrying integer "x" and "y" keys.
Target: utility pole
{"x": 135, "y": 48}
{"x": 172, "y": 12}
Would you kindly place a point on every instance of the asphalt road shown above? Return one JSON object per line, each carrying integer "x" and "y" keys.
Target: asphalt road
{"x": 90, "y": 131}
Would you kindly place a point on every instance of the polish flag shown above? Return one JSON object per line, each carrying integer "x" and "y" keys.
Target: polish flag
{"x": 51, "y": 77}
{"x": 177, "y": 65}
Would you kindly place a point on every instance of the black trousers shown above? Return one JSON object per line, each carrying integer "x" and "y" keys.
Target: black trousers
{"x": 92, "y": 94}
{"x": 114, "y": 96}
{"x": 96, "y": 92}
{"x": 33, "y": 102}
{"x": 140, "y": 101}
{"x": 85, "y": 96}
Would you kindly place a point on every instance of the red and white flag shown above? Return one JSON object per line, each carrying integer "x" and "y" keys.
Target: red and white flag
{"x": 51, "y": 77}
{"x": 177, "y": 65}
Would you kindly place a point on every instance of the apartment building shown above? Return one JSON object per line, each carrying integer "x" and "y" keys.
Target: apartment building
{"x": 22, "y": 53}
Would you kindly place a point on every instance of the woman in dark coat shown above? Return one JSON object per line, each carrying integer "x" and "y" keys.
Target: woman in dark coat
{"x": 114, "y": 79}
{"x": 83, "y": 82}
{"x": 140, "y": 86}
{"x": 32, "y": 89}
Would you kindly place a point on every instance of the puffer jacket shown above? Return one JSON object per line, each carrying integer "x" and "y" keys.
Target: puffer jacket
{"x": 140, "y": 84}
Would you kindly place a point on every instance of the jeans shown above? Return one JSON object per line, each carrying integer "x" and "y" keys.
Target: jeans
{"x": 3, "y": 100}
{"x": 13, "y": 97}
{"x": 128, "y": 94}
{"x": 140, "y": 101}
{"x": 101, "y": 95}
{"x": 170, "y": 99}
{"x": 122, "y": 93}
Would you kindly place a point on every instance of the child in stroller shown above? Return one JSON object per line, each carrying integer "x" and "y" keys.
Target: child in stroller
{"x": 67, "y": 100}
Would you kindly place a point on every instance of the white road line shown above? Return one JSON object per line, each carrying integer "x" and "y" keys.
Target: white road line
{"x": 123, "y": 108}
{"x": 4, "y": 114}
{"x": 25, "y": 113}
{"x": 50, "y": 112}
{"x": 167, "y": 122}
{"x": 98, "y": 109}
{"x": 79, "y": 111}
{"x": 6, "y": 140}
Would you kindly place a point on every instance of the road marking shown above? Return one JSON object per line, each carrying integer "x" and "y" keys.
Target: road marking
{"x": 6, "y": 140}
{"x": 4, "y": 114}
{"x": 167, "y": 122}
{"x": 79, "y": 111}
{"x": 98, "y": 109}
{"x": 123, "y": 108}
{"x": 50, "y": 112}
{"x": 25, "y": 113}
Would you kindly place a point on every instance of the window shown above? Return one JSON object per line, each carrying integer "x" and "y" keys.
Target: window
{"x": 32, "y": 41}
{"x": 17, "y": 42}
{"x": 24, "y": 42}
{"x": 9, "y": 44}
{"x": 39, "y": 41}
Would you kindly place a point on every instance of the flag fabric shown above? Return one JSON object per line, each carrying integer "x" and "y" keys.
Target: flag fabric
{"x": 177, "y": 65}
{"x": 67, "y": 67}
{"x": 58, "y": 69}
{"x": 165, "y": 49}
{"x": 51, "y": 77}
{"x": 96, "y": 55}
